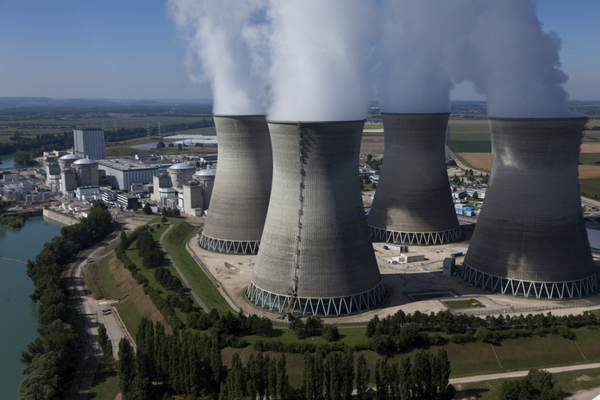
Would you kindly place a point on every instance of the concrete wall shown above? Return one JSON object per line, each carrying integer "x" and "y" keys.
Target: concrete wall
{"x": 315, "y": 240}
{"x": 240, "y": 196}
{"x": 413, "y": 194}
{"x": 534, "y": 162}
{"x": 60, "y": 217}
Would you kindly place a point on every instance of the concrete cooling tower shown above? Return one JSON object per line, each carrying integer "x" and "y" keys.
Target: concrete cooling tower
{"x": 240, "y": 196}
{"x": 315, "y": 249}
{"x": 413, "y": 203}
{"x": 530, "y": 239}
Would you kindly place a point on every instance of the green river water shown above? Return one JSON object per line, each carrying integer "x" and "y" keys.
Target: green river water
{"x": 18, "y": 315}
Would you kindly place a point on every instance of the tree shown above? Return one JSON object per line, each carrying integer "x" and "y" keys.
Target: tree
{"x": 330, "y": 333}
{"x": 141, "y": 389}
{"x": 160, "y": 145}
{"x": 147, "y": 210}
{"x": 126, "y": 366}
{"x": 22, "y": 158}
{"x": 362, "y": 377}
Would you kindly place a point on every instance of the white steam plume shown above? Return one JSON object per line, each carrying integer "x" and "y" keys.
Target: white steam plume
{"x": 228, "y": 38}
{"x": 412, "y": 55}
{"x": 321, "y": 52}
{"x": 500, "y": 47}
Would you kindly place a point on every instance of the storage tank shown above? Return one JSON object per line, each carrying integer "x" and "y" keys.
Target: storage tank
{"x": 87, "y": 172}
{"x": 530, "y": 239}
{"x": 180, "y": 173}
{"x": 413, "y": 202}
{"x": 316, "y": 244}
{"x": 240, "y": 196}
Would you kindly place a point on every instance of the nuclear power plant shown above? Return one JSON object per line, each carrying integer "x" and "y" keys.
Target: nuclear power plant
{"x": 539, "y": 249}
{"x": 315, "y": 255}
{"x": 413, "y": 203}
{"x": 240, "y": 196}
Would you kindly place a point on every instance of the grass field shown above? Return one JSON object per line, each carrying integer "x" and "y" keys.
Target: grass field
{"x": 589, "y": 158}
{"x": 570, "y": 383}
{"x": 175, "y": 241}
{"x": 134, "y": 303}
{"x": 101, "y": 282}
{"x": 105, "y": 386}
{"x": 590, "y": 188}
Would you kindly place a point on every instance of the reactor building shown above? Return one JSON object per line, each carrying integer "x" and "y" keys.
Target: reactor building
{"x": 539, "y": 248}
{"x": 413, "y": 203}
{"x": 242, "y": 185}
{"x": 315, "y": 257}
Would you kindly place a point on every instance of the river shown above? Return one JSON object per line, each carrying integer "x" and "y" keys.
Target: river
{"x": 18, "y": 313}
{"x": 7, "y": 161}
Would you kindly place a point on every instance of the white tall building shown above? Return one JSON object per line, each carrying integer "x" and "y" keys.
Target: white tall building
{"x": 89, "y": 143}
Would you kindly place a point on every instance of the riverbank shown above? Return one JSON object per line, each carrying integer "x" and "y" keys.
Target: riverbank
{"x": 60, "y": 217}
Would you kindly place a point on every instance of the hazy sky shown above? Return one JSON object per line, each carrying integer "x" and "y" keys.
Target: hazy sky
{"x": 129, "y": 49}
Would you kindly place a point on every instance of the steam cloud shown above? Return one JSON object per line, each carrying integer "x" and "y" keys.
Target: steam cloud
{"x": 501, "y": 48}
{"x": 321, "y": 59}
{"x": 228, "y": 38}
{"x": 412, "y": 54}
{"x": 314, "y": 60}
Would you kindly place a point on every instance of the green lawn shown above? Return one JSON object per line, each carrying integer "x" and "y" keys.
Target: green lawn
{"x": 175, "y": 241}
{"x": 105, "y": 386}
{"x": 527, "y": 353}
{"x": 101, "y": 282}
{"x": 459, "y": 304}
{"x": 570, "y": 382}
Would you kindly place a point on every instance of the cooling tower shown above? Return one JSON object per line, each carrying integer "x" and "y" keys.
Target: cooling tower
{"x": 413, "y": 203}
{"x": 530, "y": 239}
{"x": 316, "y": 243}
{"x": 240, "y": 196}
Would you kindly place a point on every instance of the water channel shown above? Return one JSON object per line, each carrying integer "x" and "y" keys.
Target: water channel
{"x": 7, "y": 161}
{"x": 18, "y": 314}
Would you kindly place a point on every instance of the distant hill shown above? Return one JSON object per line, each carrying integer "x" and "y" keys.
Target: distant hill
{"x": 46, "y": 102}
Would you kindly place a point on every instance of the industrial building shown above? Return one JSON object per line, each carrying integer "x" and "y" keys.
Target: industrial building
{"x": 541, "y": 248}
{"x": 315, "y": 256}
{"x": 240, "y": 196}
{"x": 89, "y": 143}
{"x": 122, "y": 173}
{"x": 413, "y": 203}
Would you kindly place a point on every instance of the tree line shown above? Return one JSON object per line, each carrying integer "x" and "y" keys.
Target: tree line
{"x": 400, "y": 332}
{"x": 35, "y": 147}
{"x": 51, "y": 359}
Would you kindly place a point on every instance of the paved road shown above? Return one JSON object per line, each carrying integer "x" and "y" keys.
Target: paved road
{"x": 181, "y": 274}
{"x": 518, "y": 374}
{"x": 90, "y": 311}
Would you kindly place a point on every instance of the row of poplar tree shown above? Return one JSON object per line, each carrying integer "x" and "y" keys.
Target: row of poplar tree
{"x": 191, "y": 363}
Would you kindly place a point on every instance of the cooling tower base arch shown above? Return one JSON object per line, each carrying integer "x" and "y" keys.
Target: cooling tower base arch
{"x": 229, "y": 246}
{"x": 415, "y": 238}
{"x": 307, "y": 306}
{"x": 531, "y": 289}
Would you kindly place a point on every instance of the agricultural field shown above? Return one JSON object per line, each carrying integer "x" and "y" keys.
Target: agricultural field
{"x": 478, "y": 161}
{"x": 372, "y": 145}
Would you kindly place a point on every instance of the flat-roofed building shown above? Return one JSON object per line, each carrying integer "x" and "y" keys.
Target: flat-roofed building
{"x": 122, "y": 173}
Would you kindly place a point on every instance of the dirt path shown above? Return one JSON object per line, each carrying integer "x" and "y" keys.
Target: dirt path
{"x": 519, "y": 374}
